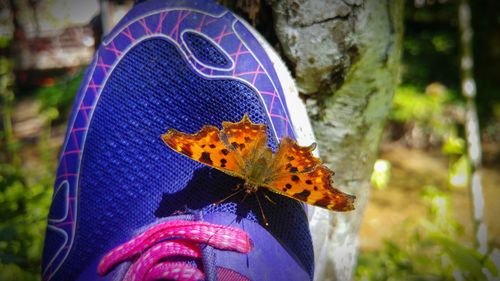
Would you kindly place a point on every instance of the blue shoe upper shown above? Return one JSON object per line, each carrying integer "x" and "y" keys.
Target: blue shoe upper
{"x": 169, "y": 64}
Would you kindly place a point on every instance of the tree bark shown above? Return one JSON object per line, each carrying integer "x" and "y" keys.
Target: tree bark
{"x": 345, "y": 56}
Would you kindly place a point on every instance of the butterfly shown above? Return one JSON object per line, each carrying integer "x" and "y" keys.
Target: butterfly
{"x": 240, "y": 149}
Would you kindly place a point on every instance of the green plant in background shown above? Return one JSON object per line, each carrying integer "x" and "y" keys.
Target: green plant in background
{"x": 459, "y": 171}
{"x": 24, "y": 203}
{"x": 446, "y": 234}
{"x": 381, "y": 174}
{"x": 26, "y": 190}
{"x": 436, "y": 115}
{"x": 427, "y": 111}
{"x": 7, "y": 94}
{"x": 433, "y": 250}
{"x": 59, "y": 97}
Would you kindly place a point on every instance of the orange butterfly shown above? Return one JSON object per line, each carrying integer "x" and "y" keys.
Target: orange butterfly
{"x": 240, "y": 150}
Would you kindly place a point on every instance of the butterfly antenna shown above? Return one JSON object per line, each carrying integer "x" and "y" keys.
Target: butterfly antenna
{"x": 227, "y": 197}
{"x": 261, "y": 210}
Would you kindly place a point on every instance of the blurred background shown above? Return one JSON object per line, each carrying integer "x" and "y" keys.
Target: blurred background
{"x": 421, "y": 182}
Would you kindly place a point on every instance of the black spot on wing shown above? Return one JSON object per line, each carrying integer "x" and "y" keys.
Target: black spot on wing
{"x": 205, "y": 158}
{"x": 302, "y": 195}
{"x": 295, "y": 178}
{"x": 323, "y": 202}
{"x": 235, "y": 145}
{"x": 239, "y": 146}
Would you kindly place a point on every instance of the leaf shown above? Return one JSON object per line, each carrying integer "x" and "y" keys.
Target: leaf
{"x": 466, "y": 259}
{"x": 490, "y": 265}
{"x": 11, "y": 272}
{"x": 459, "y": 172}
{"x": 381, "y": 174}
{"x": 453, "y": 145}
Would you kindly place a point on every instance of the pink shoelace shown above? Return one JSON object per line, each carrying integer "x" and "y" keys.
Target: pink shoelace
{"x": 178, "y": 238}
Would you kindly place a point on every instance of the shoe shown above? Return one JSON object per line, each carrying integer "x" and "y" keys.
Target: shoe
{"x": 183, "y": 65}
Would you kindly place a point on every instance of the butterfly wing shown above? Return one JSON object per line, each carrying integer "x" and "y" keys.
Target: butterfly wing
{"x": 249, "y": 141}
{"x": 294, "y": 158}
{"x": 206, "y": 147}
{"x": 239, "y": 147}
{"x": 301, "y": 176}
{"x": 245, "y": 137}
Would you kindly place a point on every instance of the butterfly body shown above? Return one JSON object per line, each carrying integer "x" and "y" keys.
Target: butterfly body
{"x": 257, "y": 172}
{"x": 240, "y": 149}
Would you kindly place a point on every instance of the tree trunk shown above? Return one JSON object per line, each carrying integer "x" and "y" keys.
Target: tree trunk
{"x": 345, "y": 56}
{"x": 472, "y": 126}
{"x": 105, "y": 16}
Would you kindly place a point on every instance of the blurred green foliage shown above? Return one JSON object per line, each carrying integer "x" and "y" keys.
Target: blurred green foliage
{"x": 24, "y": 204}
{"x": 431, "y": 51}
{"x": 430, "y": 46}
{"x": 436, "y": 115}
{"x": 58, "y": 98}
{"x": 381, "y": 174}
{"x": 429, "y": 109}
{"x": 459, "y": 169}
{"x": 26, "y": 190}
{"x": 431, "y": 250}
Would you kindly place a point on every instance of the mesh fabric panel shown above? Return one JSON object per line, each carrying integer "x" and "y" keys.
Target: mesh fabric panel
{"x": 225, "y": 274}
{"x": 204, "y": 50}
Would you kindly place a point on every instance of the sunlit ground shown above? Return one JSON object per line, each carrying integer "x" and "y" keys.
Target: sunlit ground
{"x": 400, "y": 205}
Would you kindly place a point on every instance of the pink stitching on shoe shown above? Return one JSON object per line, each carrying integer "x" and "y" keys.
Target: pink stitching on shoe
{"x": 183, "y": 238}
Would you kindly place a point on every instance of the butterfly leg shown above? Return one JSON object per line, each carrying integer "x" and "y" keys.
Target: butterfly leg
{"x": 264, "y": 218}
{"x": 238, "y": 190}
{"x": 267, "y": 197}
